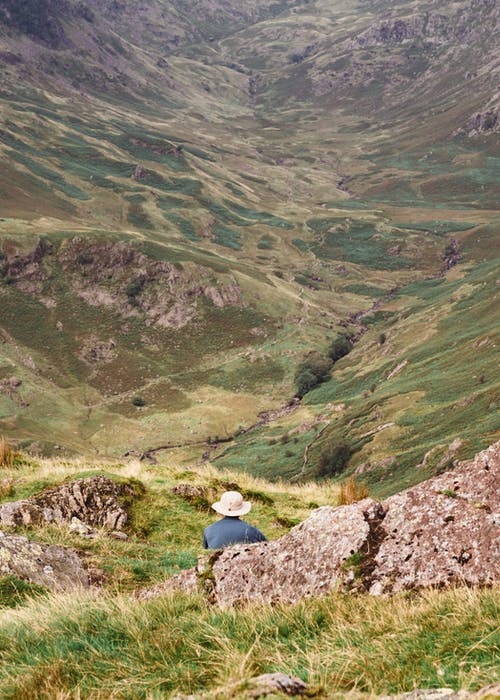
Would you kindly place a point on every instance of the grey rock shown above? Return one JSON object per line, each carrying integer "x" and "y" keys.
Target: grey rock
{"x": 187, "y": 581}
{"x": 57, "y": 568}
{"x": 491, "y": 691}
{"x": 444, "y": 530}
{"x": 270, "y": 683}
{"x": 305, "y": 562}
{"x": 96, "y": 501}
{"x": 80, "y": 528}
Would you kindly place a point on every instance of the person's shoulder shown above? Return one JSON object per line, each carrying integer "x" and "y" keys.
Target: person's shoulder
{"x": 255, "y": 532}
{"x": 212, "y": 527}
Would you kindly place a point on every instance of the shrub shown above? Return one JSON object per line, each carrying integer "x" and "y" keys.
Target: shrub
{"x": 351, "y": 491}
{"x": 265, "y": 243}
{"x": 314, "y": 370}
{"x": 7, "y": 454}
{"x": 133, "y": 289}
{"x": 138, "y": 401}
{"x": 340, "y": 347}
{"x": 283, "y": 521}
{"x": 382, "y": 338}
{"x": 260, "y": 496}
{"x": 333, "y": 458}
{"x": 84, "y": 259}
{"x": 304, "y": 382}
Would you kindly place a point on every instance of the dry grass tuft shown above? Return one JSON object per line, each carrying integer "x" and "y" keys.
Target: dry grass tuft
{"x": 7, "y": 454}
{"x": 352, "y": 491}
{"x": 6, "y": 487}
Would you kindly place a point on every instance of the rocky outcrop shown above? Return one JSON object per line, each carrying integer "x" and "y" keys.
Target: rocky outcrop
{"x": 440, "y": 532}
{"x": 445, "y": 530}
{"x": 432, "y": 28}
{"x": 96, "y": 501}
{"x": 57, "y": 568}
{"x": 122, "y": 278}
{"x": 308, "y": 561}
{"x": 486, "y": 122}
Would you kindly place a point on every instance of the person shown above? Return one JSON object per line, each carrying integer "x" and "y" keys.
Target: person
{"x": 230, "y": 529}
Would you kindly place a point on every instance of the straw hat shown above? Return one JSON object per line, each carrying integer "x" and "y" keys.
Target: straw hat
{"x": 232, "y": 504}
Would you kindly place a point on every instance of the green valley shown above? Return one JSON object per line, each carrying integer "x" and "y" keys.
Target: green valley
{"x": 192, "y": 202}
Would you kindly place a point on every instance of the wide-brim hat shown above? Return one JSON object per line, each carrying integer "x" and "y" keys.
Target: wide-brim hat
{"x": 232, "y": 504}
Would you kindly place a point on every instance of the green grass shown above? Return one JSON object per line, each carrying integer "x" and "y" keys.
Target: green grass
{"x": 358, "y": 242}
{"x": 14, "y": 592}
{"x": 247, "y": 376}
{"x": 138, "y": 218}
{"x": 438, "y": 227}
{"x": 168, "y": 203}
{"x": 143, "y": 145}
{"x": 364, "y": 290}
{"x": 269, "y": 454}
{"x": 229, "y": 238}
{"x": 185, "y": 226}
{"x": 45, "y": 174}
{"x": 114, "y": 645}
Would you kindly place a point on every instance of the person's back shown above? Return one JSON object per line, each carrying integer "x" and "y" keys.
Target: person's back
{"x": 231, "y": 530}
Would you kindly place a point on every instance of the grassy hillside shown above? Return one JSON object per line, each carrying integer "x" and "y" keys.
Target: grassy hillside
{"x": 109, "y": 644}
{"x": 102, "y": 647}
{"x": 165, "y": 529}
{"x": 423, "y": 375}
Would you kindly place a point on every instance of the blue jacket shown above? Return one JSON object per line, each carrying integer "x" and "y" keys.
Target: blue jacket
{"x": 230, "y": 531}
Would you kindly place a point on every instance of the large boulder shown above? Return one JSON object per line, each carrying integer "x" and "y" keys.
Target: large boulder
{"x": 57, "y": 568}
{"x": 442, "y": 531}
{"x": 97, "y": 501}
{"x": 308, "y": 561}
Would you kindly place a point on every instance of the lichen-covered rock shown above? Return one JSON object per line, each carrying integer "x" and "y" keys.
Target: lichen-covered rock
{"x": 308, "y": 561}
{"x": 196, "y": 495}
{"x": 97, "y": 501}
{"x": 444, "y": 530}
{"x": 57, "y": 568}
{"x": 272, "y": 683}
{"x": 187, "y": 581}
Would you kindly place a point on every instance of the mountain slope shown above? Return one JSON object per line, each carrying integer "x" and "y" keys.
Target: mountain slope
{"x": 193, "y": 201}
